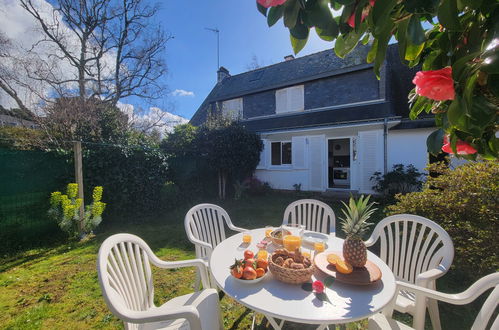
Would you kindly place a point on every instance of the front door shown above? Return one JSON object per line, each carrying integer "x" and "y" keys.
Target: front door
{"x": 339, "y": 174}
{"x": 317, "y": 162}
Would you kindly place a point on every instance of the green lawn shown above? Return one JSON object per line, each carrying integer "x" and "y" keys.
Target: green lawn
{"x": 56, "y": 287}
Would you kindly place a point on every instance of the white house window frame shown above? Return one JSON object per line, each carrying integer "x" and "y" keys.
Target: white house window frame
{"x": 281, "y": 154}
{"x": 290, "y": 99}
{"x": 233, "y": 112}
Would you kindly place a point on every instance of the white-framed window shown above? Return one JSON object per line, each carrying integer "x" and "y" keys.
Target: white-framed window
{"x": 233, "y": 109}
{"x": 280, "y": 153}
{"x": 290, "y": 99}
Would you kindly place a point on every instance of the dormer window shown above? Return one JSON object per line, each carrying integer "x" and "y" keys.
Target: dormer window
{"x": 233, "y": 109}
{"x": 289, "y": 99}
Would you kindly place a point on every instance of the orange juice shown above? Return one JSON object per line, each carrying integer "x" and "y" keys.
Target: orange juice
{"x": 262, "y": 254}
{"x": 246, "y": 238}
{"x": 319, "y": 247}
{"x": 291, "y": 242}
{"x": 268, "y": 231}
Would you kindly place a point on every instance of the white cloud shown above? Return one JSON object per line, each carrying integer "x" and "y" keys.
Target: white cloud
{"x": 152, "y": 118}
{"x": 182, "y": 92}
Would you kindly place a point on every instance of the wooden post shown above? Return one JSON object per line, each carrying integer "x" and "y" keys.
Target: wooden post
{"x": 79, "y": 180}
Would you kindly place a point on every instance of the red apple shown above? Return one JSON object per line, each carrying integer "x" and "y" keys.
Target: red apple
{"x": 249, "y": 273}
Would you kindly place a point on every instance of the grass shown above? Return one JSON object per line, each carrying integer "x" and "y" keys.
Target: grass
{"x": 56, "y": 286}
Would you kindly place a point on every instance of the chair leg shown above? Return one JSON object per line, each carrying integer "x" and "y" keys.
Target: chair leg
{"x": 434, "y": 314}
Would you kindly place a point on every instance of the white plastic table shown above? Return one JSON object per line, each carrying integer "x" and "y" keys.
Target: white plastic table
{"x": 290, "y": 302}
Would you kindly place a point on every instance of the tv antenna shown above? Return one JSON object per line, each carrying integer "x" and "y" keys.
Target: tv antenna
{"x": 217, "y": 31}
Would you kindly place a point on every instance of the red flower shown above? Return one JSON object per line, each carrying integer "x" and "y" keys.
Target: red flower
{"x": 365, "y": 12}
{"x": 271, "y": 3}
{"x": 462, "y": 147}
{"x": 435, "y": 84}
{"x": 318, "y": 287}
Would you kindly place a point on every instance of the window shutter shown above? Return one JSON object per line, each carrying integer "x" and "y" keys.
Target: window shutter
{"x": 370, "y": 158}
{"x": 264, "y": 155}
{"x": 296, "y": 99}
{"x": 281, "y": 101}
{"x": 233, "y": 109}
{"x": 317, "y": 162}
{"x": 298, "y": 153}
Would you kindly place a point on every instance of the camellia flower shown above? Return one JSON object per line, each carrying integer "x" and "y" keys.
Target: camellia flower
{"x": 365, "y": 12}
{"x": 318, "y": 287}
{"x": 462, "y": 147}
{"x": 271, "y": 3}
{"x": 435, "y": 84}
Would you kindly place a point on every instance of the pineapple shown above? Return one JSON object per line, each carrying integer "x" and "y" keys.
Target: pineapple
{"x": 355, "y": 224}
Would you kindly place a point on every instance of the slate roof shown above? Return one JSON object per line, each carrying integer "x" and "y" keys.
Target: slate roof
{"x": 311, "y": 67}
{"x": 375, "y": 111}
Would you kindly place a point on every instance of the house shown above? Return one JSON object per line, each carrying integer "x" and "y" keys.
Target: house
{"x": 326, "y": 122}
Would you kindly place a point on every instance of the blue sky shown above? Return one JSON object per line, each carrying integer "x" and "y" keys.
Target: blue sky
{"x": 191, "y": 55}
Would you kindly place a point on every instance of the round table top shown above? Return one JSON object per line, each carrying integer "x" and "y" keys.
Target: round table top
{"x": 292, "y": 303}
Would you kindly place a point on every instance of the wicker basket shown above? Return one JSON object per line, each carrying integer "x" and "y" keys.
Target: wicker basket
{"x": 288, "y": 275}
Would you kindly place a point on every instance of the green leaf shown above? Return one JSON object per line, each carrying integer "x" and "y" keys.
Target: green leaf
{"x": 401, "y": 36}
{"x": 448, "y": 15}
{"x": 275, "y": 14}
{"x": 261, "y": 9}
{"x": 345, "y": 43}
{"x": 307, "y": 286}
{"x": 291, "y": 10}
{"x": 381, "y": 48}
{"x": 491, "y": 63}
{"x": 372, "y": 52}
{"x": 297, "y": 44}
{"x": 328, "y": 281}
{"x": 457, "y": 113}
{"x": 300, "y": 31}
{"x": 428, "y": 61}
{"x": 381, "y": 12}
{"x": 434, "y": 142}
{"x": 415, "y": 31}
{"x": 412, "y": 52}
{"x": 419, "y": 106}
{"x": 328, "y": 34}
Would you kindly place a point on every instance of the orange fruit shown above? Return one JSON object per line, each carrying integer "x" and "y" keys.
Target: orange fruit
{"x": 262, "y": 263}
{"x": 343, "y": 267}
{"x": 260, "y": 272}
{"x": 333, "y": 259}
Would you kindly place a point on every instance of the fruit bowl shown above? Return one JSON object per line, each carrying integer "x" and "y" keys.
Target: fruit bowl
{"x": 256, "y": 280}
{"x": 276, "y": 235}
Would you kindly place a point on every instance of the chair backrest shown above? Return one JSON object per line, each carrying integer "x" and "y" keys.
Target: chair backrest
{"x": 124, "y": 272}
{"x": 313, "y": 214}
{"x": 411, "y": 245}
{"x": 205, "y": 222}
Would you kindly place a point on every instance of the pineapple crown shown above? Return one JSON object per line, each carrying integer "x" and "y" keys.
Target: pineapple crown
{"x": 356, "y": 214}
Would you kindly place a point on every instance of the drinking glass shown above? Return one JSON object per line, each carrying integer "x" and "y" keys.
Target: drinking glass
{"x": 292, "y": 241}
{"x": 268, "y": 230}
{"x": 246, "y": 237}
{"x": 319, "y": 245}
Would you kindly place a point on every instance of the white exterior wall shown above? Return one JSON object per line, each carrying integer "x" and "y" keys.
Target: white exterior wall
{"x": 408, "y": 146}
{"x": 366, "y": 157}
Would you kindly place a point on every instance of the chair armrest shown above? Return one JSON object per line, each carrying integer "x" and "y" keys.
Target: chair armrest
{"x": 430, "y": 275}
{"x": 371, "y": 241}
{"x": 200, "y": 243}
{"x": 199, "y": 263}
{"x": 234, "y": 228}
{"x": 190, "y": 313}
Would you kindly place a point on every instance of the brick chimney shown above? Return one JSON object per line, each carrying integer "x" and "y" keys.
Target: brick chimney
{"x": 222, "y": 73}
{"x": 289, "y": 57}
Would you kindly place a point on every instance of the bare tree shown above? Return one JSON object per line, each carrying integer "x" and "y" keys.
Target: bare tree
{"x": 254, "y": 64}
{"x": 103, "y": 49}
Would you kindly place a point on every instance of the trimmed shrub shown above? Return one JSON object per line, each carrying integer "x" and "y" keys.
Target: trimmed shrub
{"x": 400, "y": 180}
{"x": 465, "y": 202}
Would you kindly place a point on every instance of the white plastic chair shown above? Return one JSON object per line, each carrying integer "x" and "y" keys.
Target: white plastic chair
{"x": 125, "y": 278}
{"x": 204, "y": 226}
{"x": 418, "y": 251}
{"x": 383, "y": 321}
{"x": 313, "y": 214}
